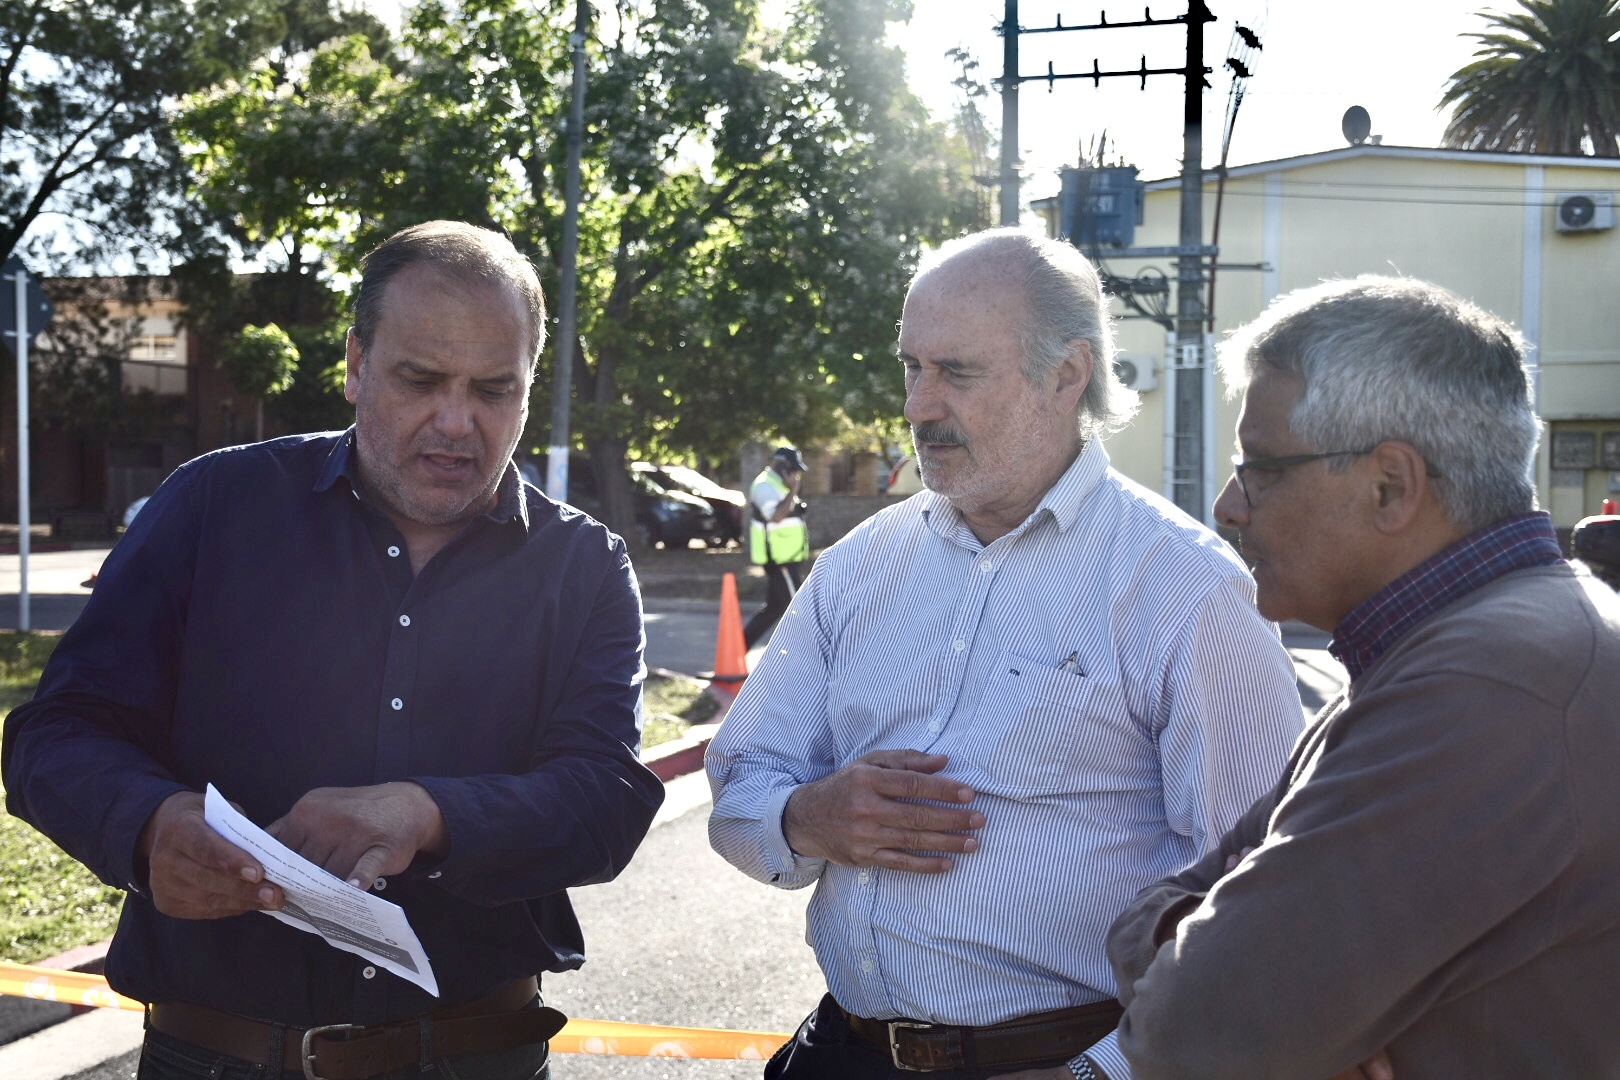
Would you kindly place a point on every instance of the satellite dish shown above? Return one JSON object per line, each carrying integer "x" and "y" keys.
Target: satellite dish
{"x": 1357, "y": 125}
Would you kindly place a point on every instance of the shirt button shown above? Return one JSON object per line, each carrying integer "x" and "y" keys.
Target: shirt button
{"x": 393, "y": 551}
{"x": 866, "y": 965}
{"x": 398, "y": 704}
{"x": 380, "y": 884}
{"x": 865, "y": 877}
{"x": 934, "y": 727}
{"x": 986, "y": 566}
{"x": 404, "y": 620}
{"x": 958, "y": 644}
{"x": 436, "y": 873}
{"x": 368, "y": 972}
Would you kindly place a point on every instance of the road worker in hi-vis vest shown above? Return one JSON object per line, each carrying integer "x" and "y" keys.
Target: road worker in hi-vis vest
{"x": 777, "y": 537}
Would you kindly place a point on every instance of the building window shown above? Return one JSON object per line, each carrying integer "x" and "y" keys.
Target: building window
{"x": 156, "y": 349}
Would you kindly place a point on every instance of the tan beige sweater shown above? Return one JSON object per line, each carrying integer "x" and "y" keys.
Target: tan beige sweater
{"x": 1437, "y": 873}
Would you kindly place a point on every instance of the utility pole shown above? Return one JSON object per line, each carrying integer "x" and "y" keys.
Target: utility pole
{"x": 562, "y": 379}
{"x": 1009, "y": 114}
{"x": 1191, "y": 365}
{"x": 1187, "y": 463}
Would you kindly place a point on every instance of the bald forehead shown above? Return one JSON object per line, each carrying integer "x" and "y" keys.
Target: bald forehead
{"x": 971, "y": 279}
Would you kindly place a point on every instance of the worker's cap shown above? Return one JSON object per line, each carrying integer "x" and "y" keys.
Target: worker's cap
{"x": 1597, "y": 539}
{"x": 789, "y": 457}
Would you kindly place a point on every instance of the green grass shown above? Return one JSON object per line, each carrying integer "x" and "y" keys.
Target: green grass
{"x": 671, "y": 706}
{"x": 49, "y": 903}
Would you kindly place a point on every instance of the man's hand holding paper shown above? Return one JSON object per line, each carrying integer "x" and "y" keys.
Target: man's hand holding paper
{"x": 195, "y": 873}
{"x": 360, "y": 834}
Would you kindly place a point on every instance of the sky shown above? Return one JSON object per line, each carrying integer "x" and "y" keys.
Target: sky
{"x": 1319, "y": 57}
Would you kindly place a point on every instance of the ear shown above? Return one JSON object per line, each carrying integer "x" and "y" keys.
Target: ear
{"x": 1074, "y": 375}
{"x": 353, "y": 360}
{"x": 1400, "y": 486}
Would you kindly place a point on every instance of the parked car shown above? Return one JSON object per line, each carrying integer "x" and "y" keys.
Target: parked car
{"x": 730, "y": 505}
{"x": 904, "y": 479}
{"x": 672, "y": 518}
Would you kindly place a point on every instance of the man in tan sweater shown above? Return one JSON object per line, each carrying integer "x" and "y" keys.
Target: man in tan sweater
{"x": 1434, "y": 885}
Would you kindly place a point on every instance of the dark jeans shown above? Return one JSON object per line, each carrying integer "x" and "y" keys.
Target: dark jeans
{"x": 822, "y": 1049}
{"x": 163, "y": 1058}
{"x": 781, "y": 582}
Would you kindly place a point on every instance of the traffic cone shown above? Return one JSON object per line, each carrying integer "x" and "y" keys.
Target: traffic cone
{"x": 730, "y": 654}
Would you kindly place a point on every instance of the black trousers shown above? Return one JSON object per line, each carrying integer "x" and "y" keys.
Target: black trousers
{"x": 823, "y": 1049}
{"x": 781, "y": 582}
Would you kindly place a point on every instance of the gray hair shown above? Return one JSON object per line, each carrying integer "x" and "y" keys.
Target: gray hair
{"x": 1394, "y": 358}
{"x": 1066, "y": 304}
{"x": 456, "y": 248}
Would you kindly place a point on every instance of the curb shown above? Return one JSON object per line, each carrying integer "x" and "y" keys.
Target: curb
{"x": 679, "y": 757}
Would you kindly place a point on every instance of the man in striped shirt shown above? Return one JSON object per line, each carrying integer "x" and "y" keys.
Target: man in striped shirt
{"x": 1000, "y": 708}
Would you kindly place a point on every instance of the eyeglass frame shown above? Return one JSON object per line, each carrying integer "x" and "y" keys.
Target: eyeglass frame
{"x": 1279, "y": 463}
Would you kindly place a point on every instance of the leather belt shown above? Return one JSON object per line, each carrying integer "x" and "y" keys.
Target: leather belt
{"x": 1041, "y": 1039}
{"x": 499, "y": 1020}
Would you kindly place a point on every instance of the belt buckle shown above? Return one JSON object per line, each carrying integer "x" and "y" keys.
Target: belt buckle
{"x": 896, "y": 1026}
{"x": 307, "y": 1052}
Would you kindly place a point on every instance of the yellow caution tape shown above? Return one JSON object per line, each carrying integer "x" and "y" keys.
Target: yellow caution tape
{"x": 578, "y": 1037}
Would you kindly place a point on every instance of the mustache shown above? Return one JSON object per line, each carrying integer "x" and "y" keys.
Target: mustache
{"x": 937, "y": 433}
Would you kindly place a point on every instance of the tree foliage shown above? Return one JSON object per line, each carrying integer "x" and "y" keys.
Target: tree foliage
{"x": 1546, "y": 80}
{"x": 754, "y": 196}
{"x": 83, "y": 136}
{"x": 260, "y": 360}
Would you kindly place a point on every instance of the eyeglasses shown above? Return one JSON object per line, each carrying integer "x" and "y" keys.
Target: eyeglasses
{"x": 1278, "y": 464}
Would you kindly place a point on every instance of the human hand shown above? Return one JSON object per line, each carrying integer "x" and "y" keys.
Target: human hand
{"x": 195, "y": 873}
{"x": 1376, "y": 1067}
{"x": 866, "y": 814}
{"x": 1236, "y": 857}
{"x": 362, "y": 833}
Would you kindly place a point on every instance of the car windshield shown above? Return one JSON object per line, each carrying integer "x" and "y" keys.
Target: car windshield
{"x": 692, "y": 480}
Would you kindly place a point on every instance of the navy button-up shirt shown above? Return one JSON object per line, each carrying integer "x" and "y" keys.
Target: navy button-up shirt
{"x": 259, "y": 627}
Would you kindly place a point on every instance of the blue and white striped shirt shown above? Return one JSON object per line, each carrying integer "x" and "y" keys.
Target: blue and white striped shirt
{"x": 1093, "y": 783}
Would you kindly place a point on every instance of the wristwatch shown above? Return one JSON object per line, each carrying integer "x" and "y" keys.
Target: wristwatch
{"x": 1081, "y": 1068}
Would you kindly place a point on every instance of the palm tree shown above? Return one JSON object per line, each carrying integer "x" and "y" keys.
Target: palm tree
{"x": 1546, "y": 80}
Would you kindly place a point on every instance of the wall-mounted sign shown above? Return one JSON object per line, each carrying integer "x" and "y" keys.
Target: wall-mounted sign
{"x": 1574, "y": 450}
{"x": 1611, "y": 449}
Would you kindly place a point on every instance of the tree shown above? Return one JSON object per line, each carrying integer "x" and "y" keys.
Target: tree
{"x": 755, "y": 198}
{"x": 261, "y": 361}
{"x": 83, "y": 136}
{"x": 1546, "y": 81}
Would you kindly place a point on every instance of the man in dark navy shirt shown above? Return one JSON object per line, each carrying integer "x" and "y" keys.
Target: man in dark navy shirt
{"x": 412, "y": 668}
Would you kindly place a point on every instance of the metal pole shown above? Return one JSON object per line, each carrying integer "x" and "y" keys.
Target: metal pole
{"x": 1189, "y": 374}
{"x": 23, "y": 522}
{"x": 567, "y": 334}
{"x": 1009, "y": 114}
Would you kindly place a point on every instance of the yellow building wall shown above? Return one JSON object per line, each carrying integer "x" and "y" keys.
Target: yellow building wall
{"x": 1476, "y": 226}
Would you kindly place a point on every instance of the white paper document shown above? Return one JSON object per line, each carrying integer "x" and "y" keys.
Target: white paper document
{"x": 321, "y": 903}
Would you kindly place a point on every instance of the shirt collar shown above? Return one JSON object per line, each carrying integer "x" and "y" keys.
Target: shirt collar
{"x": 1515, "y": 543}
{"x": 1061, "y": 502}
{"x": 341, "y": 464}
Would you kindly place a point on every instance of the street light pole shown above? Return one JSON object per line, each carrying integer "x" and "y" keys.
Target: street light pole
{"x": 567, "y": 289}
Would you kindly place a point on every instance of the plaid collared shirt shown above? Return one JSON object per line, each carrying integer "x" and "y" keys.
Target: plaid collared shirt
{"x": 1479, "y": 558}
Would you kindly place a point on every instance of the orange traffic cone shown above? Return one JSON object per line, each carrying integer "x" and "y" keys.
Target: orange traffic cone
{"x": 730, "y": 654}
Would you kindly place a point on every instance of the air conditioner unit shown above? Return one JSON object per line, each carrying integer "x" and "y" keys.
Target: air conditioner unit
{"x": 1584, "y": 211}
{"x": 1136, "y": 372}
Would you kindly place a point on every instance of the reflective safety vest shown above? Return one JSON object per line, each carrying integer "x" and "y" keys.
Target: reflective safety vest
{"x": 780, "y": 542}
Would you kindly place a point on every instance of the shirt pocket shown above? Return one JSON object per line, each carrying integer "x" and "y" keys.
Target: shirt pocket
{"x": 1052, "y": 731}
